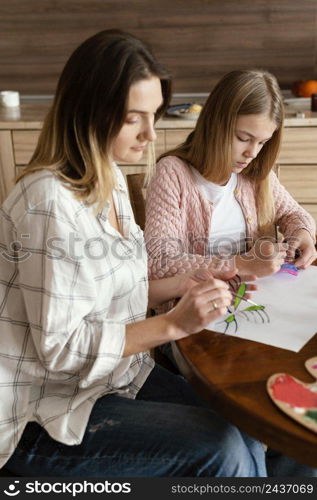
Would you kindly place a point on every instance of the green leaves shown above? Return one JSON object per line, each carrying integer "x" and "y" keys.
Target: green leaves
{"x": 254, "y": 308}
{"x": 232, "y": 317}
{"x": 241, "y": 291}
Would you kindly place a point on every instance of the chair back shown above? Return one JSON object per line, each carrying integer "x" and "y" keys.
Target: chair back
{"x": 137, "y": 197}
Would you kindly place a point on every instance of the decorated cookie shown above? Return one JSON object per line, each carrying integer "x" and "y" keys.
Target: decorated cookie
{"x": 295, "y": 398}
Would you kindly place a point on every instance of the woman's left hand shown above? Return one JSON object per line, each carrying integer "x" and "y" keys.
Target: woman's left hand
{"x": 302, "y": 243}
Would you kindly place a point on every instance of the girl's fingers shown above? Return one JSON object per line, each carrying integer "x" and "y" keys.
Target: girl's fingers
{"x": 251, "y": 287}
{"x": 249, "y": 277}
{"x": 305, "y": 258}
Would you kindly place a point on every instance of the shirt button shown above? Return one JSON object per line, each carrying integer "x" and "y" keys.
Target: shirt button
{"x": 249, "y": 219}
{"x": 236, "y": 192}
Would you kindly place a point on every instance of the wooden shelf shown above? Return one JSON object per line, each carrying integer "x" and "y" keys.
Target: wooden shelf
{"x": 20, "y": 128}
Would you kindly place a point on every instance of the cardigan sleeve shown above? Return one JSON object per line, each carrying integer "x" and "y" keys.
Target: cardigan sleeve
{"x": 290, "y": 216}
{"x": 169, "y": 207}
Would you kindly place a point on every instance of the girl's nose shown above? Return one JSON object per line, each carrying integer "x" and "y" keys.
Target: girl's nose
{"x": 251, "y": 152}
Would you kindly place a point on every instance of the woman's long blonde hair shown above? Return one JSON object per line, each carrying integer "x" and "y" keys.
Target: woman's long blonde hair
{"x": 208, "y": 147}
{"x": 89, "y": 110}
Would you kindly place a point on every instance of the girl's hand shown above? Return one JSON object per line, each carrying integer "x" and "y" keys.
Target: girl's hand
{"x": 201, "y": 304}
{"x": 264, "y": 259}
{"x": 302, "y": 244}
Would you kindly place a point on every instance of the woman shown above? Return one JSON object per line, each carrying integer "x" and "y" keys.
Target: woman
{"x": 214, "y": 199}
{"x": 80, "y": 393}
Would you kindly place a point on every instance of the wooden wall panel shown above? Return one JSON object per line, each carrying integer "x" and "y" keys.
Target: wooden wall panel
{"x": 198, "y": 40}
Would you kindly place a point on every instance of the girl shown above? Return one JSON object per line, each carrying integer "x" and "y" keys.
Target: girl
{"x": 214, "y": 199}
{"x": 80, "y": 394}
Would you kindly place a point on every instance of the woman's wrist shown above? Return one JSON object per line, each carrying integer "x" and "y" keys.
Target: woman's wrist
{"x": 173, "y": 330}
{"x": 151, "y": 332}
{"x": 180, "y": 284}
{"x": 165, "y": 289}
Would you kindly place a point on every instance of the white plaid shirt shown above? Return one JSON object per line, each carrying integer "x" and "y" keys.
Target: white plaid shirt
{"x": 69, "y": 283}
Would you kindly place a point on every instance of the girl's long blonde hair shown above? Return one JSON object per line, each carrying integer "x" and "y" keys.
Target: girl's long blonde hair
{"x": 89, "y": 110}
{"x": 208, "y": 147}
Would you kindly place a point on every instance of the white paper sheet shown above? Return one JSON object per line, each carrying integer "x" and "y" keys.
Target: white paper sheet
{"x": 289, "y": 319}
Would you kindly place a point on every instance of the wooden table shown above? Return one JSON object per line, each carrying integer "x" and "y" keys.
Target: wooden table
{"x": 231, "y": 373}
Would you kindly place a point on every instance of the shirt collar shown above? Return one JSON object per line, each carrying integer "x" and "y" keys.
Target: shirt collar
{"x": 119, "y": 178}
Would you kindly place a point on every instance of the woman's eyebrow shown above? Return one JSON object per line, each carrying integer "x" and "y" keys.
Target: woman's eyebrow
{"x": 142, "y": 112}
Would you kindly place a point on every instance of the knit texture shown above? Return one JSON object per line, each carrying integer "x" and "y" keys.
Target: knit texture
{"x": 178, "y": 218}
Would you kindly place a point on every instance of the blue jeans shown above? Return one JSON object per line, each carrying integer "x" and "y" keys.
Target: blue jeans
{"x": 166, "y": 431}
{"x": 278, "y": 465}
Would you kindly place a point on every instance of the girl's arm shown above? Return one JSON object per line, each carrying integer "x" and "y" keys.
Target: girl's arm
{"x": 289, "y": 215}
{"x": 297, "y": 226}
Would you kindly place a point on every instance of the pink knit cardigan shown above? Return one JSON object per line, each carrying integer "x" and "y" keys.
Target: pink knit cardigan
{"x": 178, "y": 218}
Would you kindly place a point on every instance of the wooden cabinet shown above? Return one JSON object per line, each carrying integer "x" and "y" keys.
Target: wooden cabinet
{"x": 7, "y": 163}
{"x": 175, "y": 137}
{"x": 299, "y": 146}
{"x": 300, "y": 181}
{"x": 24, "y": 142}
{"x": 297, "y": 159}
{"x": 298, "y": 165}
{"x": 18, "y": 141}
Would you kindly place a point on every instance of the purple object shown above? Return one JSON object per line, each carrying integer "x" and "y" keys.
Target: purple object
{"x": 289, "y": 268}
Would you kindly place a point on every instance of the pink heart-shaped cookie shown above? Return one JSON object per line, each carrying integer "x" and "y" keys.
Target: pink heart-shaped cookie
{"x": 295, "y": 398}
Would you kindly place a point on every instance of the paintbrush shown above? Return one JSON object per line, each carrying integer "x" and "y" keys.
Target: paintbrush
{"x": 243, "y": 298}
{"x": 276, "y": 231}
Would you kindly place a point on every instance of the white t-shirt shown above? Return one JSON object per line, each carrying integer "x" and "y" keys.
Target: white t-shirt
{"x": 227, "y": 231}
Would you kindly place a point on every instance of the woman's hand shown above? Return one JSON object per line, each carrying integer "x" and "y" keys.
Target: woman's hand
{"x": 201, "y": 304}
{"x": 174, "y": 287}
{"x": 264, "y": 258}
{"x": 190, "y": 279}
{"x": 204, "y": 299}
{"x": 186, "y": 281}
{"x": 302, "y": 244}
